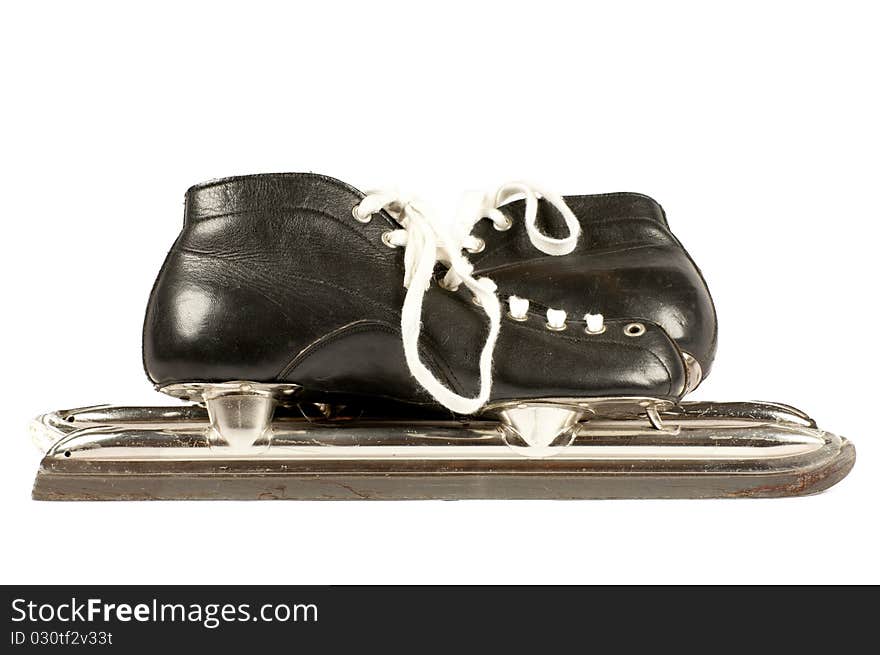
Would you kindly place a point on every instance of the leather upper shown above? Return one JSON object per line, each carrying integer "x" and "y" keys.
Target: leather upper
{"x": 272, "y": 279}
{"x": 627, "y": 265}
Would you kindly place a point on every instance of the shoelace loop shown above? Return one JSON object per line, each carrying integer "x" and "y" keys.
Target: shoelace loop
{"x": 427, "y": 243}
{"x": 489, "y": 207}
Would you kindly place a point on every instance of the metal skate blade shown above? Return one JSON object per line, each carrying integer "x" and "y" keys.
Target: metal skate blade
{"x": 705, "y": 450}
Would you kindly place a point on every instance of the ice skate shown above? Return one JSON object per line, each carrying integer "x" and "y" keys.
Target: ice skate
{"x": 335, "y": 345}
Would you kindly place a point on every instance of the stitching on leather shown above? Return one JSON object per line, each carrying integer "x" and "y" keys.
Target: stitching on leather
{"x": 602, "y": 251}
{"x": 210, "y": 184}
{"x": 630, "y": 346}
{"x": 615, "y": 194}
{"x": 434, "y": 359}
{"x": 339, "y": 184}
{"x": 511, "y": 235}
{"x": 202, "y": 219}
{"x": 283, "y": 306}
{"x": 308, "y": 210}
{"x": 328, "y": 339}
{"x": 627, "y": 219}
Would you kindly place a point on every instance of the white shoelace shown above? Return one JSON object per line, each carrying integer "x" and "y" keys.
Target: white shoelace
{"x": 427, "y": 243}
{"x": 486, "y": 205}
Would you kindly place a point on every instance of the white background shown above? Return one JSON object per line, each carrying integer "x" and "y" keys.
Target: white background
{"x": 755, "y": 126}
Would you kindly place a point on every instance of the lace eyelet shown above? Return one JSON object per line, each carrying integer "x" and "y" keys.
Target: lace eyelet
{"x": 358, "y": 218}
{"x": 442, "y": 284}
{"x": 634, "y": 329}
{"x": 596, "y": 332}
{"x": 506, "y": 225}
{"x": 520, "y": 319}
{"x": 386, "y": 239}
{"x": 480, "y": 248}
{"x": 556, "y": 320}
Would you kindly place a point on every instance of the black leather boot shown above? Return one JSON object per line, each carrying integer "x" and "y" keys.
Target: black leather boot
{"x": 626, "y": 264}
{"x": 289, "y": 284}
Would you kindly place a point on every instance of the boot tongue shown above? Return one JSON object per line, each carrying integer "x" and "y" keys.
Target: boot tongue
{"x": 550, "y": 221}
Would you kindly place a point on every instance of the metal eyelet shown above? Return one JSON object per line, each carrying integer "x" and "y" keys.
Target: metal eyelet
{"x": 634, "y": 329}
{"x": 521, "y": 319}
{"x": 556, "y": 319}
{"x": 506, "y": 225}
{"x": 480, "y": 247}
{"x": 386, "y": 239}
{"x": 354, "y": 212}
{"x": 602, "y": 331}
